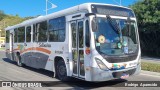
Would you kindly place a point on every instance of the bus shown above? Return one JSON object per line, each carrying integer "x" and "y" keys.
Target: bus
{"x": 90, "y": 41}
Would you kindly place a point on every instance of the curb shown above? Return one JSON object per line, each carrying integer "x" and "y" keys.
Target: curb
{"x": 2, "y": 50}
{"x": 149, "y": 59}
{"x": 150, "y": 73}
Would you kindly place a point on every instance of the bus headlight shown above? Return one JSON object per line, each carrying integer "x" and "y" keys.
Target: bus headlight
{"x": 139, "y": 60}
{"x": 101, "y": 64}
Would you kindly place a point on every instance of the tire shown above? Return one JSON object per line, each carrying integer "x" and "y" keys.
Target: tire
{"x": 19, "y": 61}
{"x": 61, "y": 71}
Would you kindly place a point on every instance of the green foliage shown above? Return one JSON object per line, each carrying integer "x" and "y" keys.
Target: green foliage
{"x": 148, "y": 14}
{"x": 9, "y": 20}
{"x": 2, "y": 15}
{"x": 148, "y": 17}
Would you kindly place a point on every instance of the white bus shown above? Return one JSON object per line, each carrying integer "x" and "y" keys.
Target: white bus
{"x": 91, "y": 41}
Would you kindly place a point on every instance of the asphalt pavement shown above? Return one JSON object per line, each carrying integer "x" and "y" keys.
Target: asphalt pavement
{"x": 150, "y": 59}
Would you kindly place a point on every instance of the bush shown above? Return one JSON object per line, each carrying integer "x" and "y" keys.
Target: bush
{"x": 155, "y": 67}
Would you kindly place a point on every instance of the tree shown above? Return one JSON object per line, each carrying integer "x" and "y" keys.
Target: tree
{"x": 148, "y": 16}
{"x": 9, "y": 20}
{"x": 2, "y": 15}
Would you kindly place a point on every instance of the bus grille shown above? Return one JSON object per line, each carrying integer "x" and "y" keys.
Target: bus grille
{"x": 117, "y": 59}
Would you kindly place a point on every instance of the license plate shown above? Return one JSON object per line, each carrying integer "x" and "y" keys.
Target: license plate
{"x": 124, "y": 76}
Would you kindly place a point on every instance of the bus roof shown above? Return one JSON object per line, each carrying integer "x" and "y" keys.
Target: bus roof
{"x": 81, "y": 7}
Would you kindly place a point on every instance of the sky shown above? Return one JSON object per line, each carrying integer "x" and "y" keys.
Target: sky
{"x": 26, "y": 8}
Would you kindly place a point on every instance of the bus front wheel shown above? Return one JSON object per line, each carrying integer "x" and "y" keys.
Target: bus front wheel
{"x": 61, "y": 70}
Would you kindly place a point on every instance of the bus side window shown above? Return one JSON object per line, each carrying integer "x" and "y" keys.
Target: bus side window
{"x": 34, "y": 33}
{"x": 21, "y": 34}
{"x": 87, "y": 35}
{"x": 15, "y": 35}
{"x": 57, "y": 29}
{"x": 41, "y": 30}
{"x": 28, "y": 34}
{"x": 7, "y": 36}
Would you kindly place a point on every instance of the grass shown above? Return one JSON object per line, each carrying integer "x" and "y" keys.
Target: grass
{"x": 2, "y": 48}
{"x": 149, "y": 66}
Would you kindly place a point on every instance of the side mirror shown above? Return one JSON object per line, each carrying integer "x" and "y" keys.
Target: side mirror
{"x": 94, "y": 25}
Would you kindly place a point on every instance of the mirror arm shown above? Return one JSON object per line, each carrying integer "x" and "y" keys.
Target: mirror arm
{"x": 89, "y": 14}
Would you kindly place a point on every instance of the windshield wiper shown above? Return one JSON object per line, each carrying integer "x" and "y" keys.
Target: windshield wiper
{"x": 114, "y": 25}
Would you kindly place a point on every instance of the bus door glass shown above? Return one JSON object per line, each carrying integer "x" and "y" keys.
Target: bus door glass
{"x": 28, "y": 43}
{"x": 77, "y": 32}
{"x": 11, "y": 46}
{"x": 34, "y": 39}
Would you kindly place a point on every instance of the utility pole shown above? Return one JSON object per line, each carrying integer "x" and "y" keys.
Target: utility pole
{"x": 119, "y": 3}
{"x": 52, "y": 6}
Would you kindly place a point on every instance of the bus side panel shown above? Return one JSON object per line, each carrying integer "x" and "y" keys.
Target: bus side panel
{"x": 58, "y": 49}
{"x": 38, "y": 60}
{"x": 34, "y": 56}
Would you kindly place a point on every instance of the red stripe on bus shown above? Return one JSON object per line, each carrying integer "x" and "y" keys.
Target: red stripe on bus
{"x": 37, "y": 49}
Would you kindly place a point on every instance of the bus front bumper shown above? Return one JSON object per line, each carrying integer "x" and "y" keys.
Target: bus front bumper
{"x": 100, "y": 75}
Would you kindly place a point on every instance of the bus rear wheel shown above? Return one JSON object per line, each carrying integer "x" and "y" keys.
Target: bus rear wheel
{"x": 19, "y": 61}
{"x": 61, "y": 71}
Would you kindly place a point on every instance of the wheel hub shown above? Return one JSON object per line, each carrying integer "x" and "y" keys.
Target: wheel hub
{"x": 62, "y": 70}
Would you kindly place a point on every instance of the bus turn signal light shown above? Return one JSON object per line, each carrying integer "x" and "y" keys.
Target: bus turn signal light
{"x": 88, "y": 51}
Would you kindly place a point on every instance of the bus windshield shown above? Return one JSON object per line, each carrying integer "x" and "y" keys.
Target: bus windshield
{"x": 110, "y": 42}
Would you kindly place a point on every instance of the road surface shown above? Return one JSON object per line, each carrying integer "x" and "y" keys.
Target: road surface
{"x": 9, "y": 71}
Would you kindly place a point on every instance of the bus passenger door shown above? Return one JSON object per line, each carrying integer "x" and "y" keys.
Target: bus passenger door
{"x": 77, "y": 32}
{"x": 11, "y": 46}
{"x": 27, "y": 45}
